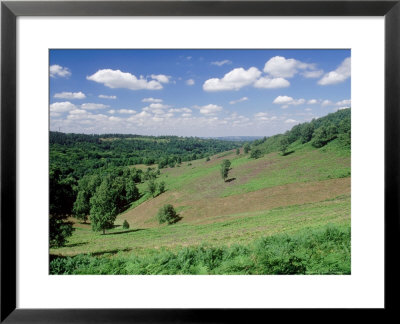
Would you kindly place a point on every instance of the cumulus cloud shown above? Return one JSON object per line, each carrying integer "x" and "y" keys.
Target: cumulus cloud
{"x": 59, "y": 71}
{"x": 59, "y": 107}
{"x": 70, "y": 95}
{"x": 271, "y": 83}
{"x": 345, "y": 102}
{"x": 342, "y": 73}
{"x": 280, "y": 67}
{"x": 238, "y": 100}
{"x": 190, "y": 82}
{"x": 290, "y": 121}
{"x": 92, "y": 106}
{"x": 127, "y": 111}
{"x": 326, "y": 102}
{"x": 156, "y": 108}
{"x": 161, "y": 78}
{"x": 118, "y": 79}
{"x": 286, "y": 101}
{"x": 220, "y": 63}
{"x": 233, "y": 80}
{"x": 151, "y": 100}
{"x": 282, "y": 100}
{"x": 107, "y": 97}
{"x": 180, "y": 110}
{"x": 312, "y": 74}
{"x": 312, "y": 101}
{"x": 209, "y": 109}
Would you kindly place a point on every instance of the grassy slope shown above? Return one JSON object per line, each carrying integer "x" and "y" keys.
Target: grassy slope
{"x": 273, "y": 194}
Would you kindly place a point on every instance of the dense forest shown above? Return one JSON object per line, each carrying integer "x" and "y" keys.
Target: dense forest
{"x": 318, "y": 132}
{"x": 80, "y": 154}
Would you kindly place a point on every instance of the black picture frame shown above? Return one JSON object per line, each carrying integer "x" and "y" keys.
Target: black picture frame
{"x": 10, "y": 10}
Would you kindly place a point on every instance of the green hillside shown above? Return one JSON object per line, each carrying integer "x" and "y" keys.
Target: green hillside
{"x": 284, "y": 208}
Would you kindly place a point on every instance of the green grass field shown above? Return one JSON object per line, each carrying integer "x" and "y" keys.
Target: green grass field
{"x": 299, "y": 199}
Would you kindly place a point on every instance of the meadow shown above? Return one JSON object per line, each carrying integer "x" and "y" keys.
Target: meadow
{"x": 293, "y": 202}
{"x": 277, "y": 205}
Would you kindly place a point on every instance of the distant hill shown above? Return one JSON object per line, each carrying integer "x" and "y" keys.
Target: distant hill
{"x": 237, "y": 138}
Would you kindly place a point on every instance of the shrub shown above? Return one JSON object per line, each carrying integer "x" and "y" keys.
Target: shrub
{"x": 255, "y": 154}
{"x": 161, "y": 187}
{"x": 125, "y": 225}
{"x": 167, "y": 214}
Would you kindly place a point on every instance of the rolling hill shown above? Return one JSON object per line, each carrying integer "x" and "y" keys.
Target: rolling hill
{"x": 278, "y": 196}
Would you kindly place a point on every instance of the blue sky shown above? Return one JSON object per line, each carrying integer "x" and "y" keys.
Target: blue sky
{"x": 195, "y": 92}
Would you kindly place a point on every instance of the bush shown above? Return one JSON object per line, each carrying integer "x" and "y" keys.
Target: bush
{"x": 255, "y": 154}
{"x": 167, "y": 214}
{"x": 125, "y": 225}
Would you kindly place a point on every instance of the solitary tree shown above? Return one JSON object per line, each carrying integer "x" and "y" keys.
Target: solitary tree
{"x": 284, "y": 144}
{"x": 225, "y": 167}
{"x": 167, "y": 214}
{"x": 255, "y": 154}
{"x": 161, "y": 187}
{"x": 103, "y": 211}
{"x": 237, "y": 151}
{"x": 125, "y": 225}
{"x": 246, "y": 148}
{"x": 152, "y": 187}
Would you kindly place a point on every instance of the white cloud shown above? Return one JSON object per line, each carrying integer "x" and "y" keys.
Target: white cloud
{"x": 341, "y": 108}
{"x": 286, "y": 101}
{"x": 312, "y": 74}
{"x": 233, "y": 80}
{"x": 326, "y": 103}
{"x": 264, "y": 116}
{"x": 114, "y": 119}
{"x": 59, "y": 71}
{"x": 220, "y": 63}
{"x": 161, "y": 78}
{"x": 290, "y": 121}
{"x": 151, "y": 100}
{"x": 91, "y": 106}
{"x": 312, "y": 101}
{"x": 78, "y": 112}
{"x": 127, "y": 111}
{"x": 308, "y": 109}
{"x": 345, "y": 102}
{"x": 190, "y": 82}
{"x": 70, "y": 95}
{"x": 271, "y": 83}
{"x": 209, "y": 109}
{"x": 118, "y": 79}
{"x": 59, "y": 107}
{"x": 280, "y": 67}
{"x": 342, "y": 73}
{"x": 156, "y": 108}
{"x": 238, "y": 100}
{"x": 186, "y": 115}
{"x": 107, "y": 97}
{"x": 112, "y": 111}
{"x": 180, "y": 110}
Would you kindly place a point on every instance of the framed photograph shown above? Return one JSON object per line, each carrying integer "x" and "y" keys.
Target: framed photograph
{"x": 164, "y": 158}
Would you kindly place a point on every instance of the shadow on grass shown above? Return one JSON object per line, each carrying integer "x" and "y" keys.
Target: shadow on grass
{"x": 288, "y": 153}
{"x": 76, "y": 244}
{"x": 127, "y": 231}
{"x": 176, "y": 219}
{"x": 115, "y": 251}
{"x": 230, "y": 180}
